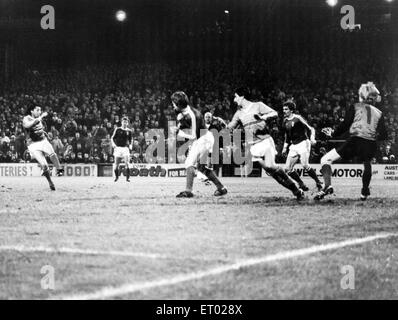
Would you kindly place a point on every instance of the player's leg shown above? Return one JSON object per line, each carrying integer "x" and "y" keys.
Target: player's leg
{"x": 118, "y": 160}
{"x": 47, "y": 149}
{"x": 326, "y": 171}
{"x": 202, "y": 177}
{"x": 127, "y": 168}
{"x": 190, "y": 165}
{"x": 305, "y": 161}
{"x": 55, "y": 161}
{"x": 221, "y": 190}
{"x": 267, "y": 150}
{"x": 41, "y": 159}
{"x": 205, "y": 148}
{"x": 366, "y": 178}
{"x": 292, "y": 159}
{"x": 366, "y": 151}
{"x": 127, "y": 164}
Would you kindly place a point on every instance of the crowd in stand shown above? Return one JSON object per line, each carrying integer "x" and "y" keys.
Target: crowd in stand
{"x": 85, "y": 105}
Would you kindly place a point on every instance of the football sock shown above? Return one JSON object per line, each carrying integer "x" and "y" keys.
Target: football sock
{"x": 190, "y": 177}
{"x": 283, "y": 179}
{"x": 212, "y": 177}
{"x": 127, "y": 173}
{"x": 367, "y": 175}
{"x": 312, "y": 174}
{"x": 287, "y": 182}
{"x": 54, "y": 159}
{"x": 294, "y": 175}
{"x": 327, "y": 174}
{"x": 117, "y": 172}
{"x": 46, "y": 173}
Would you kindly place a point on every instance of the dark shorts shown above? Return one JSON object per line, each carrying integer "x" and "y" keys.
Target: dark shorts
{"x": 356, "y": 147}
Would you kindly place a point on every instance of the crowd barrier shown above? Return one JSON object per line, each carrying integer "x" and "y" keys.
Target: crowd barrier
{"x": 380, "y": 171}
{"x": 33, "y": 170}
{"x": 352, "y": 171}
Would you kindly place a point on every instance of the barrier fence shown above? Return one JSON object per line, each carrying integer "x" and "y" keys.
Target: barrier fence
{"x": 352, "y": 171}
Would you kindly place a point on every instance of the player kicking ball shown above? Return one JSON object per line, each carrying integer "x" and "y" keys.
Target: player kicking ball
{"x": 199, "y": 156}
{"x": 121, "y": 141}
{"x": 253, "y": 117}
{"x": 365, "y": 124}
{"x": 37, "y": 142}
{"x": 212, "y": 123}
{"x": 299, "y": 137}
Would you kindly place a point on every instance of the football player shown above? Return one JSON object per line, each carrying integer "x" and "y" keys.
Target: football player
{"x": 299, "y": 137}
{"x": 121, "y": 141}
{"x": 38, "y": 145}
{"x": 365, "y": 124}
{"x": 253, "y": 117}
{"x": 191, "y": 120}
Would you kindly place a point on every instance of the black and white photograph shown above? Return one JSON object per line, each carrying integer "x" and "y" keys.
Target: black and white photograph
{"x": 220, "y": 151}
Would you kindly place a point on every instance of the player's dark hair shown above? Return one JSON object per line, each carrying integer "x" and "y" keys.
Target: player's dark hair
{"x": 31, "y": 106}
{"x": 180, "y": 99}
{"x": 291, "y": 105}
{"x": 243, "y": 92}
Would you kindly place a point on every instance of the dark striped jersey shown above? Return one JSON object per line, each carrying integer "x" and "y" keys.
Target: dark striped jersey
{"x": 191, "y": 120}
{"x": 35, "y": 132}
{"x": 122, "y": 137}
{"x": 296, "y": 129}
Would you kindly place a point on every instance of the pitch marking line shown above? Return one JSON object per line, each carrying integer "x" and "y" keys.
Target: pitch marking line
{"x": 20, "y": 248}
{"x": 109, "y": 292}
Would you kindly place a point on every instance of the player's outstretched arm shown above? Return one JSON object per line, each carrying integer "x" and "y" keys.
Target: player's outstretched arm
{"x": 265, "y": 112}
{"x": 285, "y": 145}
{"x": 310, "y": 129}
{"x": 30, "y": 122}
{"x": 266, "y": 116}
{"x": 222, "y": 122}
{"x": 234, "y": 122}
{"x": 346, "y": 124}
{"x": 113, "y": 137}
{"x": 182, "y": 134}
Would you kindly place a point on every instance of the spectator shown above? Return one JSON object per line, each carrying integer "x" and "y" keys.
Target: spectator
{"x": 386, "y": 155}
{"x": 106, "y": 144}
{"x": 4, "y": 139}
{"x": 58, "y": 146}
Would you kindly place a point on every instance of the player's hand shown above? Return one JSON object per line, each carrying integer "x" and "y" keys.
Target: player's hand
{"x": 174, "y": 130}
{"x": 313, "y": 142}
{"x": 44, "y": 114}
{"x": 327, "y": 131}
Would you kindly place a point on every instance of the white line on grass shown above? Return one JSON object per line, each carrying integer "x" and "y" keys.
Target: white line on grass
{"x": 109, "y": 292}
{"x": 20, "y": 248}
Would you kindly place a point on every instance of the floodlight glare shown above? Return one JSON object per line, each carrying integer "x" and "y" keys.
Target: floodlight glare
{"x": 331, "y": 3}
{"x": 121, "y": 15}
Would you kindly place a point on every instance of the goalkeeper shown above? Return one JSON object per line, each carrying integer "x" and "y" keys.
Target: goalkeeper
{"x": 365, "y": 124}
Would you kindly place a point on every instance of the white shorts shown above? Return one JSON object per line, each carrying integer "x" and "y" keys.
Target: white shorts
{"x": 42, "y": 146}
{"x": 264, "y": 150}
{"x": 199, "y": 149}
{"x": 121, "y": 152}
{"x": 302, "y": 149}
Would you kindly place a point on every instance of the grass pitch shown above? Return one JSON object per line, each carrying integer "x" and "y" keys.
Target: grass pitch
{"x": 107, "y": 240}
